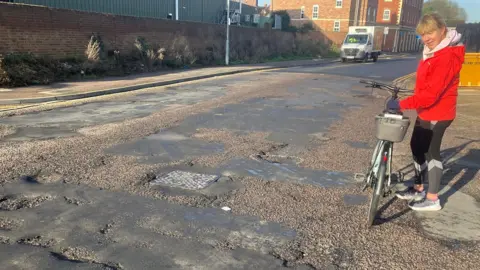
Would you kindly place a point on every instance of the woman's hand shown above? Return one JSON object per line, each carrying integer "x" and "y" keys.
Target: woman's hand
{"x": 393, "y": 105}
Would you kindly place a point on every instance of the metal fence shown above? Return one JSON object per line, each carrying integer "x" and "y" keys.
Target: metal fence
{"x": 471, "y": 36}
{"x": 209, "y": 11}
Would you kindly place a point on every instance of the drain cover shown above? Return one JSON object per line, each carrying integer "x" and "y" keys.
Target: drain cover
{"x": 186, "y": 180}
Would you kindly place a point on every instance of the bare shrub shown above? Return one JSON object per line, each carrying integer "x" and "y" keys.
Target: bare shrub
{"x": 180, "y": 52}
{"x": 93, "y": 51}
{"x": 151, "y": 58}
{"x": 161, "y": 53}
{"x": 141, "y": 46}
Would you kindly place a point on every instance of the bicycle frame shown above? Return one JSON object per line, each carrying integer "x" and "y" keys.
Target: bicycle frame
{"x": 379, "y": 175}
{"x": 377, "y": 159}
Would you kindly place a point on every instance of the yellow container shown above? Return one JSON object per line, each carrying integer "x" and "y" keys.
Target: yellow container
{"x": 470, "y": 74}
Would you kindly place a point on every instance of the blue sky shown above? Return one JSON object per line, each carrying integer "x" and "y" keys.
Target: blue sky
{"x": 263, "y": 2}
{"x": 473, "y": 9}
{"x": 471, "y": 6}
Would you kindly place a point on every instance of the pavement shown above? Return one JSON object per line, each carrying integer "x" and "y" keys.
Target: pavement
{"x": 246, "y": 171}
{"x": 12, "y": 97}
{"x": 85, "y": 89}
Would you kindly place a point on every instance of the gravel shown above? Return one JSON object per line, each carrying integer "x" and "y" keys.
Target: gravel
{"x": 332, "y": 233}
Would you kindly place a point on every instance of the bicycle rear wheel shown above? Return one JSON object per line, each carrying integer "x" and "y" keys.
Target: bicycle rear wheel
{"x": 378, "y": 186}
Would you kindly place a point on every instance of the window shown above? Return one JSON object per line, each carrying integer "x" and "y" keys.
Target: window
{"x": 315, "y": 12}
{"x": 339, "y": 3}
{"x": 302, "y": 12}
{"x": 368, "y": 14}
{"x": 386, "y": 15}
{"x": 336, "y": 26}
{"x": 374, "y": 15}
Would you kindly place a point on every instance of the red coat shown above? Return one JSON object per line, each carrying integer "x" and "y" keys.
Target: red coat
{"x": 436, "y": 88}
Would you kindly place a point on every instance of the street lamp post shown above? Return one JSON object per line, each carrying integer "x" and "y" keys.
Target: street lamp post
{"x": 227, "y": 42}
{"x": 176, "y": 10}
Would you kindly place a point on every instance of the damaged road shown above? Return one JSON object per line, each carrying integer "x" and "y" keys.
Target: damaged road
{"x": 251, "y": 171}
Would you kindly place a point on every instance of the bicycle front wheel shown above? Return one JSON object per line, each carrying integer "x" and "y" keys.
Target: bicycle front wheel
{"x": 378, "y": 187}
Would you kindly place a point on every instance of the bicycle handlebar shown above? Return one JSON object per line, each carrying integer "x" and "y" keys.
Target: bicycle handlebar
{"x": 394, "y": 90}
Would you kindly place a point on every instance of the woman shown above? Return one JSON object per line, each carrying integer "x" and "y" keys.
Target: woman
{"x": 435, "y": 101}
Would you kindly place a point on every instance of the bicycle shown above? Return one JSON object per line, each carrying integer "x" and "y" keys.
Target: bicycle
{"x": 391, "y": 127}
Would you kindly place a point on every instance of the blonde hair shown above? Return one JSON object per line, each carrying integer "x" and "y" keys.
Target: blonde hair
{"x": 430, "y": 23}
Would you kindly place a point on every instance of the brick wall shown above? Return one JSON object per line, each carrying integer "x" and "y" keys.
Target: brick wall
{"x": 328, "y": 14}
{"x": 250, "y": 2}
{"x": 393, "y": 6}
{"x": 412, "y": 12}
{"x": 404, "y": 16}
{"x": 409, "y": 10}
{"x": 367, "y": 12}
{"x": 61, "y": 33}
{"x": 390, "y": 41}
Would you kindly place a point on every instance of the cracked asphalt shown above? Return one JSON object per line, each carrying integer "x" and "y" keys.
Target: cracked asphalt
{"x": 81, "y": 181}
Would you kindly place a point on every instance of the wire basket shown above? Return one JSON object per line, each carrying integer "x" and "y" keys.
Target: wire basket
{"x": 391, "y": 128}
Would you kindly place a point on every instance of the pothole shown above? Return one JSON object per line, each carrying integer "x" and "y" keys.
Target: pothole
{"x": 5, "y": 240}
{"x": 82, "y": 255}
{"x": 108, "y": 228}
{"x": 37, "y": 241}
{"x": 75, "y": 201}
{"x": 278, "y": 159}
{"x": 16, "y": 202}
{"x": 8, "y": 224}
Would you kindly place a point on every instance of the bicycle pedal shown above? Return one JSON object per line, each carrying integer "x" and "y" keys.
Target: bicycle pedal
{"x": 359, "y": 177}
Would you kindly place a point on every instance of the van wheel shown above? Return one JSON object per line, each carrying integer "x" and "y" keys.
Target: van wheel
{"x": 344, "y": 60}
{"x": 375, "y": 58}
{"x": 365, "y": 59}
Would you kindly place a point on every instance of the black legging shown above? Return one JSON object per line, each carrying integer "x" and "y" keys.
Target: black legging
{"x": 425, "y": 144}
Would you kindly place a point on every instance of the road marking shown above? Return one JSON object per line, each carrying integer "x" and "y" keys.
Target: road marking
{"x": 374, "y": 76}
{"x": 405, "y": 77}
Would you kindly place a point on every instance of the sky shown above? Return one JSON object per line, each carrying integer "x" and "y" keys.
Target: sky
{"x": 471, "y": 6}
{"x": 263, "y": 2}
{"x": 473, "y": 9}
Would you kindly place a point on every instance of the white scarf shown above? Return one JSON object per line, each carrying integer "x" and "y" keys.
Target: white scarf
{"x": 452, "y": 39}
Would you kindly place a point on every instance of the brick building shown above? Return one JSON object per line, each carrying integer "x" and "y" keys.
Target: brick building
{"x": 401, "y": 17}
{"x": 333, "y": 17}
{"x": 253, "y": 3}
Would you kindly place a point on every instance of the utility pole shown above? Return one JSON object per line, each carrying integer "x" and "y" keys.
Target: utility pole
{"x": 227, "y": 42}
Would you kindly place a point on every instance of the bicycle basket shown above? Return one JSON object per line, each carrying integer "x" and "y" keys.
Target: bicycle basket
{"x": 391, "y": 129}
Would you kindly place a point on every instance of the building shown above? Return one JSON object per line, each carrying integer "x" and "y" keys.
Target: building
{"x": 253, "y": 3}
{"x": 333, "y": 17}
{"x": 401, "y": 17}
{"x": 208, "y": 11}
